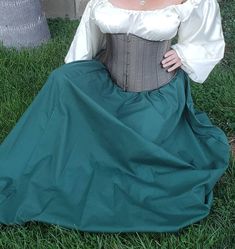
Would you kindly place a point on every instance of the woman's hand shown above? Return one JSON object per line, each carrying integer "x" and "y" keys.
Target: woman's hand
{"x": 171, "y": 58}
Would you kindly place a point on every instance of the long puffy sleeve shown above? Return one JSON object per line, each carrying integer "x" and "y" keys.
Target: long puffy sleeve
{"x": 201, "y": 42}
{"x": 88, "y": 39}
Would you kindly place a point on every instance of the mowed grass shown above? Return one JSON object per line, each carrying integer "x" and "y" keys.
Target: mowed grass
{"x": 23, "y": 73}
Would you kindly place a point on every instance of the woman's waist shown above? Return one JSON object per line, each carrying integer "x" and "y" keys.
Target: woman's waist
{"x": 134, "y": 63}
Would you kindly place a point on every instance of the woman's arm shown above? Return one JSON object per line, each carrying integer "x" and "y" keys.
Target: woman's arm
{"x": 88, "y": 39}
{"x": 201, "y": 42}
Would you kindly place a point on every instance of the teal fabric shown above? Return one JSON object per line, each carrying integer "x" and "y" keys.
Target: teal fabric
{"x": 90, "y": 156}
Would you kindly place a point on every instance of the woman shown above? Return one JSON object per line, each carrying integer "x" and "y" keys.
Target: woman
{"x": 112, "y": 142}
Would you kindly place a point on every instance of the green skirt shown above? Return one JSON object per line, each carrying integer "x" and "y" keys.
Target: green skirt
{"x": 90, "y": 156}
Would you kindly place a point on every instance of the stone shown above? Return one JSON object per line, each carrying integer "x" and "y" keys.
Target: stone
{"x": 72, "y": 9}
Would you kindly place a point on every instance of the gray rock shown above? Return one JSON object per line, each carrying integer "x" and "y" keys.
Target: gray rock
{"x": 72, "y": 9}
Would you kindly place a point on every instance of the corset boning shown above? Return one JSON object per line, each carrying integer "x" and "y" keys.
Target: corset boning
{"x": 134, "y": 62}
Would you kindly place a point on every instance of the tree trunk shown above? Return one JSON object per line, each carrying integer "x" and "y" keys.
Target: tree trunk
{"x": 22, "y": 23}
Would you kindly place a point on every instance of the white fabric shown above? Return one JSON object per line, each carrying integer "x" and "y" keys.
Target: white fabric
{"x": 200, "y": 44}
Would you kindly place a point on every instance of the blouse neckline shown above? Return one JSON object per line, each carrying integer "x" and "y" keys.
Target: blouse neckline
{"x": 148, "y": 11}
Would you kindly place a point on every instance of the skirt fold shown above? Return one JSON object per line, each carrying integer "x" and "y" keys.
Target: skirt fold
{"x": 88, "y": 155}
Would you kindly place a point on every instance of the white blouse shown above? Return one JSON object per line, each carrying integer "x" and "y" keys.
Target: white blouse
{"x": 200, "y": 44}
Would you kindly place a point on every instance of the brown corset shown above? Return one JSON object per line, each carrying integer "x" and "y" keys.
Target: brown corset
{"x": 134, "y": 62}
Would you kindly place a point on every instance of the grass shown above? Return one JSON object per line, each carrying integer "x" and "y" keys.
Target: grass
{"x": 23, "y": 73}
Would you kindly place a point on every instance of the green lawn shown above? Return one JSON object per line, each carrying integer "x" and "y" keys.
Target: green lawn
{"x": 22, "y": 74}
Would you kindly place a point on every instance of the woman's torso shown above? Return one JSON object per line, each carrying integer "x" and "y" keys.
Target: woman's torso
{"x": 134, "y": 63}
{"x": 136, "y": 42}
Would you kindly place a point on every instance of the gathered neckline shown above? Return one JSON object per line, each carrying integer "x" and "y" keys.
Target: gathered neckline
{"x": 154, "y": 10}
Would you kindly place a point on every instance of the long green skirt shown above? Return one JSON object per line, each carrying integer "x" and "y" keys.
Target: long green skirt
{"x": 90, "y": 156}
